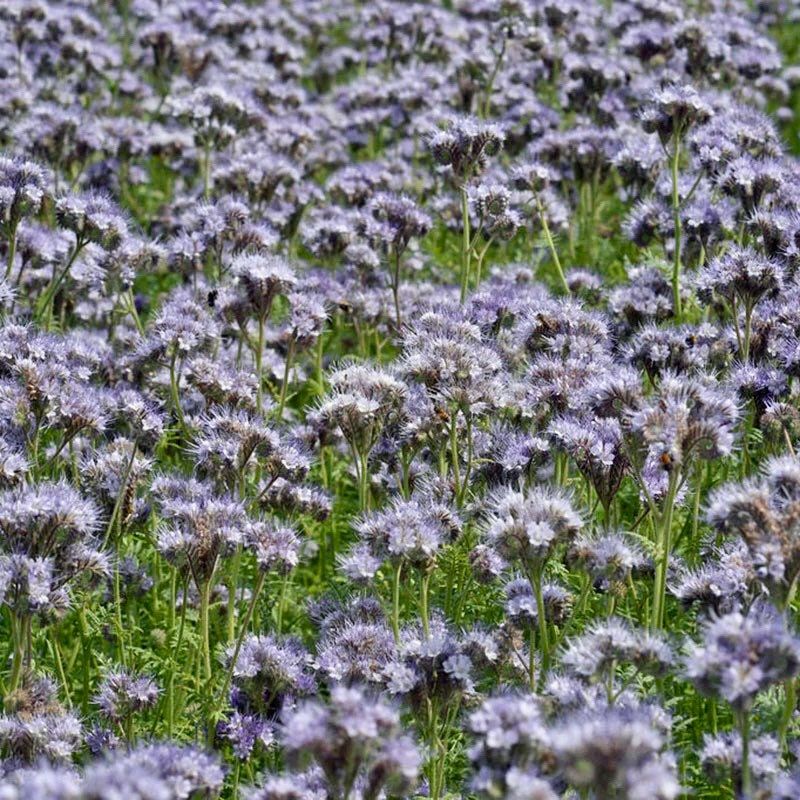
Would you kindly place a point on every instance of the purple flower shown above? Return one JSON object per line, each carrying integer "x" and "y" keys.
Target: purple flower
{"x": 269, "y": 670}
{"x": 741, "y": 656}
{"x": 122, "y": 695}
{"x": 529, "y": 525}
{"x": 245, "y": 732}
{"x": 618, "y": 749}
{"x": 261, "y": 279}
{"x": 355, "y": 736}
{"x": 409, "y": 530}
{"x": 596, "y": 653}
{"x": 276, "y": 547}
{"x": 672, "y": 110}
{"x": 465, "y": 145}
{"x": 154, "y": 770}
{"x": 510, "y": 734}
{"x": 762, "y": 512}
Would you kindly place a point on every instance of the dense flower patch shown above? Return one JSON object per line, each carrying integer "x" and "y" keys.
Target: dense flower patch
{"x": 399, "y": 399}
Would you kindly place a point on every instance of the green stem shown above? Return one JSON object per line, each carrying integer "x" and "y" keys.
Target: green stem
{"x": 205, "y": 644}
{"x": 664, "y": 539}
{"x": 544, "y": 644}
{"x": 363, "y": 481}
{"x": 552, "y": 246}
{"x": 12, "y": 250}
{"x": 789, "y": 704}
{"x": 532, "y": 658}
{"x": 174, "y": 659}
{"x": 435, "y": 745}
{"x": 398, "y": 569}
{"x": 698, "y": 493}
{"x": 318, "y": 380}
{"x": 396, "y": 289}
{"x": 454, "y": 450}
{"x": 423, "y": 603}
{"x": 120, "y": 496}
{"x": 282, "y": 604}
{"x": 65, "y": 440}
{"x": 676, "y": 221}
{"x": 118, "y": 613}
{"x": 86, "y": 657}
{"x": 461, "y": 491}
{"x": 45, "y": 303}
{"x": 233, "y": 585}
{"x": 241, "y": 637}
{"x": 748, "y": 326}
{"x": 18, "y": 655}
{"x": 611, "y": 604}
{"x": 287, "y": 367}
{"x": 173, "y": 387}
{"x": 236, "y": 770}
{"x": 744, "y": 730}
{"x": 206, "y": 170}
{"x": 259, "y": 361}
{"x": 479, "y": 265}
{"x": 443, "y": 739}
{"x": 788, "y": 439}
{"x": 62, "y": 676}
{"x": 131, "y": 303}
{"x": 405, "y": 473}
{"x": 487, "y": 100}
{"x": 466, "y": 250}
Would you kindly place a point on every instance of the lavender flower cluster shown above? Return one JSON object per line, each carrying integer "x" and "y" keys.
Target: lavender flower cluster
{"x": 399, "y": 399}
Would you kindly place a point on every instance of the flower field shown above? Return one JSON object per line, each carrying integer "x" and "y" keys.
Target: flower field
{"x": 399, "y": 399}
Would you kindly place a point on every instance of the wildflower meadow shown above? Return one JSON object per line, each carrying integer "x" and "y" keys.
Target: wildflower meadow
{"x": 399, "y": 399}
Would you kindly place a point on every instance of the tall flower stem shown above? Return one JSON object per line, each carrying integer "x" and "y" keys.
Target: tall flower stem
{"x": 548, "y": 237}
{"x": 173, "y": 388}
{"x": 789, "y": 705}
{"x": 86, "y": 657}
{"x": 675, "y": 158}
{"x": 487, "y": 99}
{"x": 440, "y": 746}
{"x": 259, "y": 356}
{"x": 287, "y": 368}
{"x": 437, "y": 748}
{"x": 173, "y": 661}
{"x": 397, "y": 572}
{"x": 18, "y": 654}
{"x": 461, "y": 491}
{"x": 423, "y": 602}
{"x": 205, "y": 643}
{"x": 118, "y": 614}
{"x": 743, "y": 723}
{"x": 544, "y": 644}
{"x": 45, "y": 303}
{"x": 396, "y": 289}
{"x": 233, "y": 585}
{"x": 319, "y": 382}
{"x": 663, "y": 546}
{"x": 363, "y": 481}
{"x": 123, "y": 487}
{"x": 281, "y": 604}
{"x": 454, "y": 457}
{"x": 466, "y": 244}
{"x": 481, "y": 255}
{"x": 748, "y": 331}
{"x": 206, "y": 170}
{"x": 245, "y": 626}
{"x": 12, "y": 250}
{"x": 62, "y": 676}
{"x": 130, "y": 303}
{"x": 532, "y": 658}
